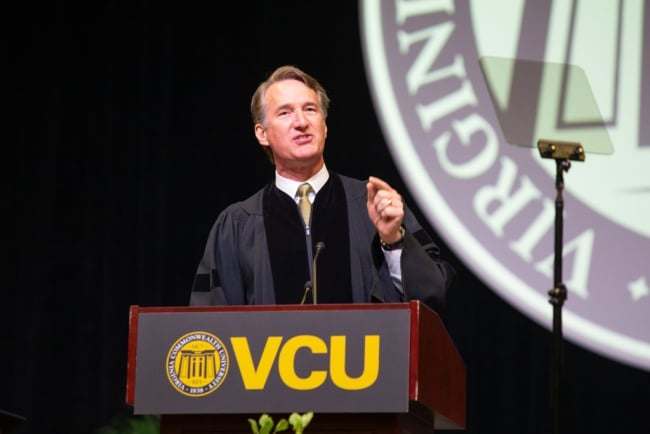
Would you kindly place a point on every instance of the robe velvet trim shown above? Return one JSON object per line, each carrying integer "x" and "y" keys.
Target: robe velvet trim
{"x": 290, "y": 247}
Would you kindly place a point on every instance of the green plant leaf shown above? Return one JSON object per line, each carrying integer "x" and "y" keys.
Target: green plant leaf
{"x": 254, "y": 427}
{"x": 306, "y": 418}
{"x": 282, "y": 425}
{"x": 266, "y": 424}
{"x": 299, "y": 422}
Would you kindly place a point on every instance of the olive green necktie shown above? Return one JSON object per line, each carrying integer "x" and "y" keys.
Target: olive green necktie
{"x": 303, "y": 202}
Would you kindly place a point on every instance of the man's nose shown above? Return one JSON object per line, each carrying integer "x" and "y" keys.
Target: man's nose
{"x": 299, "y": 118}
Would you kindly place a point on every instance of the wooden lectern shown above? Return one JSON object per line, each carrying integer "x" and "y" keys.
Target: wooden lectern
{"x": 361, "y": 368}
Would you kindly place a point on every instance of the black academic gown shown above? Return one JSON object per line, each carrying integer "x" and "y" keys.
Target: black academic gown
{"x": 236, "y": 269}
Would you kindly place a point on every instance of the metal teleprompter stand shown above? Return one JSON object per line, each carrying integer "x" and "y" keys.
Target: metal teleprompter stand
{"x": 534, "y": 99}
{"x": 563, "y": 153}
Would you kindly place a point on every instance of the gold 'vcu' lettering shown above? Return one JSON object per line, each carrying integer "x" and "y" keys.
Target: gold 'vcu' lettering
{"x": 255, "y": 377}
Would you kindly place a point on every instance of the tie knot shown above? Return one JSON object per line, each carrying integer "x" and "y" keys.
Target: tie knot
{"x": 303, "y": 190}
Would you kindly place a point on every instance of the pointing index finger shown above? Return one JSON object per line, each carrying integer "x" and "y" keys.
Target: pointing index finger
{"x": 378, "y": 183}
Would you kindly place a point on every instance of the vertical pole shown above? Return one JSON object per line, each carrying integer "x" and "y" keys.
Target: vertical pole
{"x": 557, "y": 295}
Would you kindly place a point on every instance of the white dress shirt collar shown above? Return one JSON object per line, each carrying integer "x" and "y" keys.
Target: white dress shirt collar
{"x": 290, "y": 186}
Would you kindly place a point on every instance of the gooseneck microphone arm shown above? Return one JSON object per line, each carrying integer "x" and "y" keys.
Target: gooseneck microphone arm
{"x": 310, "y": 285}
{"x": 320, "y": 246}
{"x": 307, "y": 289}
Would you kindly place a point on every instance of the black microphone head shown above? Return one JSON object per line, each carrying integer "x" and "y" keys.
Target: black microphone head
{"x": 320, "y": 246}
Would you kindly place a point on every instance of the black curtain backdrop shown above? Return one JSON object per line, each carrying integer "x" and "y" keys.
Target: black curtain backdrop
{"x": 130, "y": 130}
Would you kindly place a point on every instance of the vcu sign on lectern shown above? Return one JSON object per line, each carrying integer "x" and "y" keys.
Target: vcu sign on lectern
{"x": 198, "y": 362}
{"x": 272, "y": 361}
{"x": 352, "y": 358}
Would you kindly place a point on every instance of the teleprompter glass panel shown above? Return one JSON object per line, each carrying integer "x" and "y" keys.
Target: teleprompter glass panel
{"x": 547, "y": 101}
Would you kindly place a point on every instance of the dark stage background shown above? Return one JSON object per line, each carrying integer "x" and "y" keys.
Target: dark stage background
{"x": 129, "y": 126}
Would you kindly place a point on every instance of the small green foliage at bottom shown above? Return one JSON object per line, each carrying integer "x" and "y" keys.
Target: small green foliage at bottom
{"x": 265, "y": 424}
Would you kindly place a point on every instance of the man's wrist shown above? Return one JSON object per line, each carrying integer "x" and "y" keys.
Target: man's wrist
{"x": 396, "y": 244}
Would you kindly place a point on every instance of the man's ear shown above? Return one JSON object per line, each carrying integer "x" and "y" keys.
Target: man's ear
{"x": 260, "y": 133}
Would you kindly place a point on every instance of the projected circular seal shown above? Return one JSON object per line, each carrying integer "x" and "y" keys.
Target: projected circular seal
{"x": 494, "y": 202}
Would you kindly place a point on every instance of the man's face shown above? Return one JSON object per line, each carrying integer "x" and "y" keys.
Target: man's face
{"x": 296, "y": 129}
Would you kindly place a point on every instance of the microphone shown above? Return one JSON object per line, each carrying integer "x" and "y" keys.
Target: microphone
{"x": 320, "y": 246}
{"x": 307, "y": 289}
